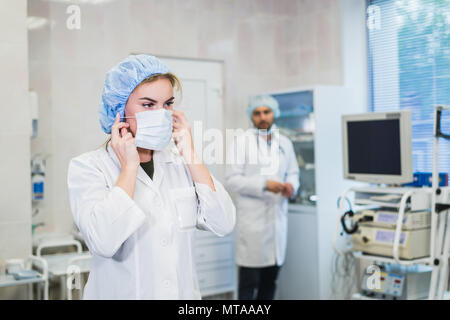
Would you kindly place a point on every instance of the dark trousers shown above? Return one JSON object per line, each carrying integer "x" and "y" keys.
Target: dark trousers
{"x": 257, "y": 283}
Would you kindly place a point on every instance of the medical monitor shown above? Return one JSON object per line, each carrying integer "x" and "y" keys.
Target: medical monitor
{"x": 377, "y": 147}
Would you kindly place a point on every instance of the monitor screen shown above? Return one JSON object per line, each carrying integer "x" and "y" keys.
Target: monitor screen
{"x": 374, "y": 147}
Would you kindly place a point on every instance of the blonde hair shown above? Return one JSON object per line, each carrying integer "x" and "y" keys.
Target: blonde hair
{"x": 174, "y": 81}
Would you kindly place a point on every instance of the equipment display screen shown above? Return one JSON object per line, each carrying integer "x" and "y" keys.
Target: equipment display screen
{"x": 374, "y": 147}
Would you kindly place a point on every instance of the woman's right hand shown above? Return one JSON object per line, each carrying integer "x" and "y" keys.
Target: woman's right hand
{"x": 122, "y": 142}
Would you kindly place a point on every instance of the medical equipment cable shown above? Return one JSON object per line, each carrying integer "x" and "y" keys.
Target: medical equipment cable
{"x": 343, "y": 273}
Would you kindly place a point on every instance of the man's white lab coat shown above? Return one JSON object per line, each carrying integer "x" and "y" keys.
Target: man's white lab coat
{"x": 262, "y": 215}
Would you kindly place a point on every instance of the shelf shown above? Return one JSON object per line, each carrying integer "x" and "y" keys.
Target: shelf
{"x": 301, "y": 208}
{"x": 369, "y": 257}
{"x": 58, "y": 263}
{"x": 290, "y": 115}
{"x": 302, "y": 138}
{"x": 420, "y": 198}
{"x": 378, "y": 203}
{"x": 400, "y": 190}
{"x": 359, "y": 296}
{"x": 8, "y": 280}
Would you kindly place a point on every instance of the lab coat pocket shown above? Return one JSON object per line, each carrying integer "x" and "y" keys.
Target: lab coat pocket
{"x": 186, "y": 206}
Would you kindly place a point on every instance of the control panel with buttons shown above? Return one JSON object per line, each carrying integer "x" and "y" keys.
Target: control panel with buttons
{"x": 395, "y": 286}
{"x": 383, "y": 285}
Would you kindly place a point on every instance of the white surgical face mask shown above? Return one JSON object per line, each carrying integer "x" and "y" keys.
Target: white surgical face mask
{"x": 154, "y": 129}
{"x": 264, "y": 132}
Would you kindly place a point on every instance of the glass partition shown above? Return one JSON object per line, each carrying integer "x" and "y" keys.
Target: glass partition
{"x": 296, "y": 121}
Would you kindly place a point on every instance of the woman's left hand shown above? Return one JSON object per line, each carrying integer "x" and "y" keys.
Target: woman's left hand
{"x": 182, "y": 136}
{"x": 183, "y": 139}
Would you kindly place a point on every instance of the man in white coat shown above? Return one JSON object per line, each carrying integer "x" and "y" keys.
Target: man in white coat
{"x": 264, "y": 186}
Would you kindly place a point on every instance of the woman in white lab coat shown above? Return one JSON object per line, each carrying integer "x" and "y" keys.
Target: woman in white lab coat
{"x": 138, "y": 199}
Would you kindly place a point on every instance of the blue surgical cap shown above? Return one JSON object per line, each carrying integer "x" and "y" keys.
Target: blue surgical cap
{"x": 121, "y": 80}
{"x": 263, "y": 100}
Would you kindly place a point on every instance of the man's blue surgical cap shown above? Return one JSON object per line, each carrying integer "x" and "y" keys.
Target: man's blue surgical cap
{"x": 263, "y": 100}
{"x": 121, "y": 80}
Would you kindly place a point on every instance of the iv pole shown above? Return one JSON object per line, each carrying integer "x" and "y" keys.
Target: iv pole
{"x": 439, "y": 251}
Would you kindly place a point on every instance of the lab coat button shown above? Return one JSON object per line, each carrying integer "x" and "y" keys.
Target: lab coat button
{"x": 164, "y": 242}
{"x": 166, "y": 283}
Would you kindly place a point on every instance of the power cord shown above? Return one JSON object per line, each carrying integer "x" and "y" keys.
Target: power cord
{"x": 355, "y": 226}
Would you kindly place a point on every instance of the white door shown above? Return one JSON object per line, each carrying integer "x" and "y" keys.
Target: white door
{"x": 202, "y": 83}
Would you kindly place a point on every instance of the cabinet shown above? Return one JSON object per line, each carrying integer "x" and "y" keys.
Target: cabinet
{"x": 214, "y": 259}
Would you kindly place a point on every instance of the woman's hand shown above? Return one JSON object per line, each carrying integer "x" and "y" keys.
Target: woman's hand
{"x": 183, "y": 139}
{"x": 182, "y": 135}
{"x": 122, "y": 142}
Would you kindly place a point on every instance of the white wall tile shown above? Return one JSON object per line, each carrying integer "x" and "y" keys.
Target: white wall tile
{"x": 14, "y": 88}
{"x": 15, "y": 197}
{"x": 13, "y": 21}
{"x": 15, "y": 240}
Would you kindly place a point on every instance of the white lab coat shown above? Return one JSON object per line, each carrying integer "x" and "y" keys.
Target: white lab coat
{"x": 261, "y": 236}
{"x": 142, "y": 248}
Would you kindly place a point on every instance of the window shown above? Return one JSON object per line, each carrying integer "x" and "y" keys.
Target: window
{"x": 409, "y": 68}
